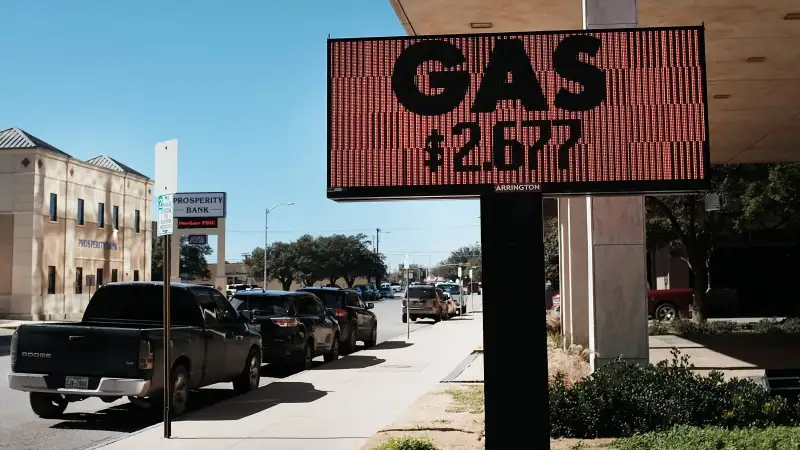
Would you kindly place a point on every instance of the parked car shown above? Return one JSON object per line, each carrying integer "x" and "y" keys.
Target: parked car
{"x": 386, "y": 292}
{"x": 295, "y": 326}
{"x": 669, "y": 304}
{"x": 356, "y": 321}
{"x": 115, "y": 351}
{"x": 397, "y": 288}
{"x": 367, "y": 293}
{"x": 473, "y": 288}
{"x": 423, "y": 302}
{"x": 456, "y": 293}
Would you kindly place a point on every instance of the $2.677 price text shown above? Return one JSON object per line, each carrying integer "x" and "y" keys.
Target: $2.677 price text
{"x": 501, "y": 145}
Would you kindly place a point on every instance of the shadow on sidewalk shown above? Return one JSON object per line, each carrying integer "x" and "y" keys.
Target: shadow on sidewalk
{"x": 352, "y": 362}
{"x": 262, "y": 399}
{"x": 762, "y": 350}
{"x": 391, "y": 345}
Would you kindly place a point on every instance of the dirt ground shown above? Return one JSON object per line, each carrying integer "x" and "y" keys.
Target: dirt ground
{"x": 451, "y": 416}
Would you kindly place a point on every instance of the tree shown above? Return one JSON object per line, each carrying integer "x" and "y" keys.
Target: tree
{"x": 551, "y": 255}
{"x": 255, "y": 264}
{"x": 375, "y": 266}
{"x": 464, "y": 257}
{"x": 193, "y": 261}
{"x": 310, "y": 259}
{"x": 753, "y": 197}
{"x": 282, "y": 263}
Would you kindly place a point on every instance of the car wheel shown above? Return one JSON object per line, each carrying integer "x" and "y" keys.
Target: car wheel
{"x": 251, "y": 375}
{"x": 413, "y": 319}
{"x": 308, "y": 357}
{"x": 350, "y": 345}
{"x": 666, "y": 312}
{"x": 333, "y": 354}
{"x": 373, "y": 337}
{"x": 180, "y": 391}
{"x": 48, "y": 406}
{"x": 437, "y": 318}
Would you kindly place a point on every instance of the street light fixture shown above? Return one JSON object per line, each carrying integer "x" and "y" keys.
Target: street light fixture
{"x": 266, "y": 236}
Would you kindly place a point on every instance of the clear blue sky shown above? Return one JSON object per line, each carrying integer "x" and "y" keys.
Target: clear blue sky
{"x": 241, "y": 85}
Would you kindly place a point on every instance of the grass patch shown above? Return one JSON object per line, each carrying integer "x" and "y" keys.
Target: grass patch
{"x": 406, "y": 443}
{"x": 683, "y": 327}
{"x": 714, "y": 438}
{"x": 466, "y": 399}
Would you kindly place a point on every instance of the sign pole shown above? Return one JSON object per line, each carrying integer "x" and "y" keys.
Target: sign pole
{"x": 408, "y": 304}
{"x": 511, "y": 224}
{"x": 167, "y": 338}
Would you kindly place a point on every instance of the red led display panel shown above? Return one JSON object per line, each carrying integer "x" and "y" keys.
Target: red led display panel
{"x": 190, "y": 224}
{"x": 570, "y": 112}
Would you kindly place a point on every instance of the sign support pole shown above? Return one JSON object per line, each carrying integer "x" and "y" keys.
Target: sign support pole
{"x": 511, "y": 224}
{"x": 167, "y": 339}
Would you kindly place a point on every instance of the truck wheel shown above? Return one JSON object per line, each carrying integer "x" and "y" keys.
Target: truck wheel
{"x": 251, "y": 375}
{"x": 180, "y": 391}
{"x": 307, "y": 363}
{"x": 47, "y": 406}
{"x": 333, "y": 353}
{"x": 405, "y": 319}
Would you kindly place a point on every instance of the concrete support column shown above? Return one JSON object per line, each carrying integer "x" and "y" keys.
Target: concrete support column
{"x": 578, "y": 269}
{"x": 220, "y": 278}
{"x": 604, "y": 274}
{"x": 617, "y": 279}
{"x": 563, "y": 271}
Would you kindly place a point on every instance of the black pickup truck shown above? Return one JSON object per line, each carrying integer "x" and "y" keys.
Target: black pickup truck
{"x": 116, "y": 349}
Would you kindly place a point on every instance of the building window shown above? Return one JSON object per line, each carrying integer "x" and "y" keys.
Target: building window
{"x": 51, "y": 280}
{"x": 53, "y": 207}
{"x": 101, "y": 217}
{"x": 135, "y": 275}
{"x": 113, "y": 275}
{"x": 79, "y": 280}
{"x": 80, "y": 211}
{"x": 99, "y": 278}
{"x": 136, "y": 217}
{"x": 115, "y": 217}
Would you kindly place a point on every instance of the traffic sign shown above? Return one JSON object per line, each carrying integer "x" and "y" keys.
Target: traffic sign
{"x": 164, "y": 214}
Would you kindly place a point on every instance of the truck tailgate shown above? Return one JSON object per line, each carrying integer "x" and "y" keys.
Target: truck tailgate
{"x": 73, "y": 349}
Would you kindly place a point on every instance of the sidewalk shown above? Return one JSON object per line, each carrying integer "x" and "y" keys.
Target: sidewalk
{"x": 337, "y": 406}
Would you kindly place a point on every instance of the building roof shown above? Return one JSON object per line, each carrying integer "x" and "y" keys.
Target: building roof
{"x": 14, "y": 139}
{"x": 108, "y": 162}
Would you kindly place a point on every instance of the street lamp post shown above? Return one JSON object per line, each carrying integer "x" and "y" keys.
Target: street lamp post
{"x": 378, "y": 250}
{"x": 266, "y": 236}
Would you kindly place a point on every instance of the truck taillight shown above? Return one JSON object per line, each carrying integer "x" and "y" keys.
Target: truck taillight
{"x": 285, "y": 322}
{"x": 341, "y": 313}
{"x": 145, "y": 355}
{"x": 404, "y": 302}
{"x": 14, "y": 344}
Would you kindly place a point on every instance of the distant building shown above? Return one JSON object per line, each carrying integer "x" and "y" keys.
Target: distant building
{"x": 66, "y": 226}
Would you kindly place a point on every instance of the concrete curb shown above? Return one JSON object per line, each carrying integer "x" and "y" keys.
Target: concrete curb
{"x": 451, "y": 378}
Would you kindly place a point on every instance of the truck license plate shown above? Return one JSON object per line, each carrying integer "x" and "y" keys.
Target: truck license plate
{"x": 255, "y": 327}
{"x": 76, "y": 383}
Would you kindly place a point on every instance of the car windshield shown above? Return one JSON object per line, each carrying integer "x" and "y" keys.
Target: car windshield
{"x": 424, "y": 292}
{"x": 261, "y": 304}
{"x": 386, "y": 289}
{"x": 329, "y": 299}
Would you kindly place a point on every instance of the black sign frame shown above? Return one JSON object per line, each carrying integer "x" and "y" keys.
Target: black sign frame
{"x": 552, "y": 189}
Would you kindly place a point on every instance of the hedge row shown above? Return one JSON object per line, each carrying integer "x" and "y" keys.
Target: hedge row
{"x": 682, "y": 327}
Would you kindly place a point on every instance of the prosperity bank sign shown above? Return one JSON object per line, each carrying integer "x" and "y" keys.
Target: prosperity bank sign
{"x": 583, "y": 112}
{"x": 199, "y": 205}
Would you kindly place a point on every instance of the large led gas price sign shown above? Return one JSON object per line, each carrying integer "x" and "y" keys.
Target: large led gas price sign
{"x": 581, "y": 112}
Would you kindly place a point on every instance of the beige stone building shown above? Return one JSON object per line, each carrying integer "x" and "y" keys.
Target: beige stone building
{"x": 66, "y": 226}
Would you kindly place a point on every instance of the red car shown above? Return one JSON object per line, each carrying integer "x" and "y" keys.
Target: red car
{"x": 669, "y": 304}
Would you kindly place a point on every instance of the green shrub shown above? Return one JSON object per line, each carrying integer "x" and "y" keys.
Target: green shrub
{"x": 682, "y": 327}
{"x": 406, "y": 443}
{"x": 621, "y": 399}
{"x": 714, "y": 438}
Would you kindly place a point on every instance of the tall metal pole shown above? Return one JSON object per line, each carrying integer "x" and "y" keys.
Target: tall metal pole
{"x": 167, "y": 340}
{"x": 377, "y": 253}
{"x": 266, "y": 236}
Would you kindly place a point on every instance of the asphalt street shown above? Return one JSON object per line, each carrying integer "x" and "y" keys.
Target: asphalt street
{"x": 91, "y": 421}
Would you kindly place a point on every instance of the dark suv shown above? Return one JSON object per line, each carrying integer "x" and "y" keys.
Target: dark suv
{"x": 295, "y": 327}
{"x": 355, "y": 319}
